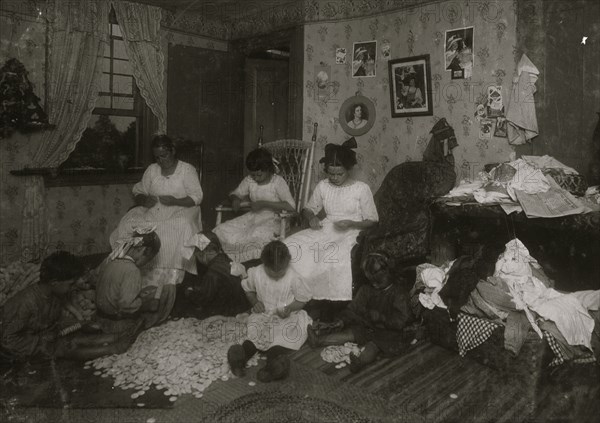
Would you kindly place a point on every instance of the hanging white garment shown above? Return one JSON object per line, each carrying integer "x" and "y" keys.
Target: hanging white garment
{"x": 520, "y": 111}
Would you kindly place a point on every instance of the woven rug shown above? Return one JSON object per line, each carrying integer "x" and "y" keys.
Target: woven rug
{"x": 309, "y": 395}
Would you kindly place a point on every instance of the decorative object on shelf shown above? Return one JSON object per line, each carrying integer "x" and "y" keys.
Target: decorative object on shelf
{"x": 357, "y": 115}
{"x": 19, "y": 106}
{"x": 410, "y": 91}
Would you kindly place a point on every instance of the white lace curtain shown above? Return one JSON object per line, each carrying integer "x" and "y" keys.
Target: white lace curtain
{"x": 140, "y": 25}
{"x": 78, "y": 37}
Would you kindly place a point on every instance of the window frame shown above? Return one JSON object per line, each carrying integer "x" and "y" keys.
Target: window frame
{"x": 146, "y": 124}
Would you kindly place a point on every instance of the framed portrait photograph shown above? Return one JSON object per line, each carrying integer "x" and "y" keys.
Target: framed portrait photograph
{"x": 410, "y": 89}
{"x": 459, "y": 52}
{"x": 357, "y": 115}
{"x": 364, "y": 59}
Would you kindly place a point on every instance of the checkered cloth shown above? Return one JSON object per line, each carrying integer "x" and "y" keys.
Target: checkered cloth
{"x": 472, "y": 332}
{"x": 559, "y": 358}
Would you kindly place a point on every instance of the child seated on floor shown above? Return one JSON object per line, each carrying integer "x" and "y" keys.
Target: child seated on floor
{"x": 375, "y": 318}
{"x": 277, "y": 323}
{"x": 217, "y": 289}
{"x": 29, "y": 319}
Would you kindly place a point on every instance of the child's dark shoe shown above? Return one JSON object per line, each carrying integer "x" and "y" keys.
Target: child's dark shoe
{"x": 313, "y": 337}
{"x": 276, "y": 369}
{"x": 236, "y": 357}
{"x": 356, "y": 365}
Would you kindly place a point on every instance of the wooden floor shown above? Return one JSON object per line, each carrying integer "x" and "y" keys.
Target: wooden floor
{"x": 428, "y": 381}
{"x": 440, "y": 386}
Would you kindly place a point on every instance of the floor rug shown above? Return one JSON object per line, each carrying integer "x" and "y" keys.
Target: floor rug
{"x": 67, "y": 385}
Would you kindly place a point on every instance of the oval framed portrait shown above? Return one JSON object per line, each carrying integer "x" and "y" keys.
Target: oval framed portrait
{"x": 357, "y": 115}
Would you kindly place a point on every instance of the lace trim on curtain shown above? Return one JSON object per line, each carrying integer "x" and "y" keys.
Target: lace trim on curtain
{"x": 141, "y": 28}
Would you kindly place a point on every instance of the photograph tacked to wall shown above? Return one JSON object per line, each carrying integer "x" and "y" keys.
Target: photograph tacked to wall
{"x": 386, "y": 49}
{"x": 322, "y": 75}
{"x": 364, "y": 59}
{"x": 340, "y": 56}
{"x": 495, "y": 107}
{"x": 459, "y": 52}
{"x": 501, "y": 130}
{"x": 485, "y": 129}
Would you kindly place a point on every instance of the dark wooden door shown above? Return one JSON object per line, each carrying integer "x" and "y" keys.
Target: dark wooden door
{"x": 205, "y": 105}
{"x": 267, "y": 101}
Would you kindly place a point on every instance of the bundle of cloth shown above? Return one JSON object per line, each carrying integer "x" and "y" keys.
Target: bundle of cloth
{"x": 514, "y": 292}
{"x": 529, "y": 174}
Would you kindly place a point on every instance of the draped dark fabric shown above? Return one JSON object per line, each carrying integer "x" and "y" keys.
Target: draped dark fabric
{"x": 403, "y": 201}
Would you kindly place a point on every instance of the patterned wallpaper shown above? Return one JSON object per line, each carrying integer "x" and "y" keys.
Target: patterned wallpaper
{"x": 409, "y": 33}
{"x": 80, "y": 219}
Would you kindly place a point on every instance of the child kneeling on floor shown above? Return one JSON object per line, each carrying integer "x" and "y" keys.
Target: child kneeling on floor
{"x": 124, "y": 306}
{"x": 376, "y": 317}
{"x": 277, "y": 323}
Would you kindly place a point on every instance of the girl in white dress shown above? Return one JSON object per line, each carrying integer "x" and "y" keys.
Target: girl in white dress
{"x": 277, "y": 323}
{"x": 244, "y": 237}
{"x": 321, "y": 254}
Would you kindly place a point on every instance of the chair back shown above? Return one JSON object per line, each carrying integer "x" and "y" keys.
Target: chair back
{"x": 191, "y": 152}
{"x": 294, "y": 162}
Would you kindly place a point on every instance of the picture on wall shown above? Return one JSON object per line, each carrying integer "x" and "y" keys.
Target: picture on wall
{"x": 322, "y": 73}
{"x": 485, "y": 129}
{"x": 495, "y": 107}
{"x": 501, "y": 129}
{"x": 340, "y": 56}
{"x": 386, "y": 49}
{"x": 364, "y": 58}
{"x": 410, "y": 91}
{"x": 459, "y": 52}
{"x": 357, "y": 115}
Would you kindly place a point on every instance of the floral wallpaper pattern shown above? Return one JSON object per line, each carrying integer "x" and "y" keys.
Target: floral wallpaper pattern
{"x": 80, "y": 219}
{"x": 418, "y": 31}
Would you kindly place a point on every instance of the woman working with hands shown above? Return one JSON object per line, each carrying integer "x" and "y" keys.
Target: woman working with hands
{"x": 321, "y": 254}
{"x": 167, "y": 197}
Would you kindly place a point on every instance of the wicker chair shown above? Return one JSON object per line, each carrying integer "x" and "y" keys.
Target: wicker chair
{"x": 294, "y": 162}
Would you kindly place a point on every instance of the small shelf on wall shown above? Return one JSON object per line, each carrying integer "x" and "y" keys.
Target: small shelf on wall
{"x": 83, "y": 177}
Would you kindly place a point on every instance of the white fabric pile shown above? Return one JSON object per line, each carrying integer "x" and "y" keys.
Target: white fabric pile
{"x": 340, "y": 354}
{"x": 572, "y": 319}
{"x": 183, "y": 356}
{"x": 433, "y": 278}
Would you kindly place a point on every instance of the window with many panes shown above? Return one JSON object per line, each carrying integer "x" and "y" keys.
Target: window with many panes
{"x": 112, "y": 140}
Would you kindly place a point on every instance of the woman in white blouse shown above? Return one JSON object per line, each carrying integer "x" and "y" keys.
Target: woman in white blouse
{"x": 321, "y": 254}
{"x": 167, "y": 197}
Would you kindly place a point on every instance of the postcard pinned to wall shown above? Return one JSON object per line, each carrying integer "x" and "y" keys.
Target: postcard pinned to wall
{"x": 322, "y": 76}
{"x": 340, "y": 56}
{"x": 495, "y": 107}
{"x": 386, "y": 49}
{"x": 459, "y": 52}
{"x": 501, "y": 129}
{"x": 485, "y": 129}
